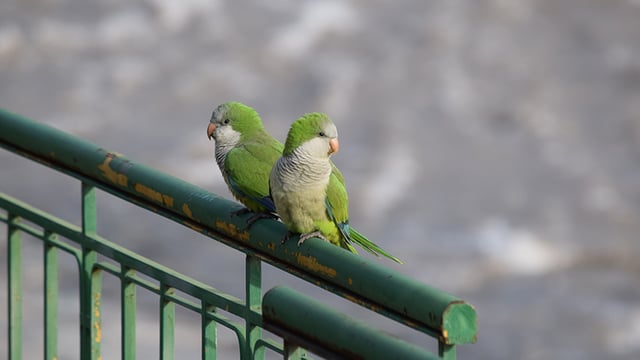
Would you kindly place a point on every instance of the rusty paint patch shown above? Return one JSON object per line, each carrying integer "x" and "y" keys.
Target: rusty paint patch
{"x": 98, "y": 330}
{"x": 96, "y": 305}
{"x": 271, "y": 246}
{"x": 312, "y": 263}
{"x": 186, "y": 210}
{"x": 110, "y": 174}
{"x": 193, "y": 226}
{"x": 154, "y": 195}
{"x": 350, "y": 280}
{"x": 232, "y": 230}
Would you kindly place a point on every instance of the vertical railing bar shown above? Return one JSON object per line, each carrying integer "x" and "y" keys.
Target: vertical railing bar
{"x": 50, "y": 298}
{"x": 90, "y": 281}
{"x": 14, "y": 268}
{"x": 209, "y": 340}
{"x": 446, "y": 352}
{"x": 293, "y": 351}
{"x": 167, "y": 323}
{"x": 253, "y": 283}
{"x": 128, "y": 314}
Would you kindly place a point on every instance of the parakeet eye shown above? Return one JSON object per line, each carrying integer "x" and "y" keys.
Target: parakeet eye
{"x": 321, "y": 134}
{"x": 226, "y": 121}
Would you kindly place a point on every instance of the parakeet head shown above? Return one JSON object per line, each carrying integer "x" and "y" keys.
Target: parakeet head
{"x": 231, "y": 121}
{"x": 314, "y": 134}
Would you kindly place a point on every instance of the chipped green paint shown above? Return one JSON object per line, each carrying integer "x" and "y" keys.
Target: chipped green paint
{"x": 109, "y": 173}
{"x": 362, "y": 281}
{"x": 187, "y": 211}
{"x": 233, "y": 230}
{"x": 154, "y": 195}
{"x": 312, "y": 264}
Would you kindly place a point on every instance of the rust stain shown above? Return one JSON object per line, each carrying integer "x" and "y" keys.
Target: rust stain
{"x": 232, "y": 230}
{"x": 311, "y": 263}
{"x": 154, "y": 195}
{"x": 271, "y": 246}
{"x": 98, "y": 329}
{"x": 96, "y": 306}
{"x": 350, "y": 280}
{"x": 193, "y": 226}
{"x": 109, "y": 173}
{"x": 186, "y": 210}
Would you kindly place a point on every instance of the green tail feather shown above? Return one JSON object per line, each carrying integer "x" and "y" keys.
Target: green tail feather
{"x": 368, "y": 245}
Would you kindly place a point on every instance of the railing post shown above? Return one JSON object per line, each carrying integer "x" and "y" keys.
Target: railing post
{"x": 14, "y": 267}
{"x": 167, "y": 323}
{"x": 209, "y": 334}
{"x": 446, "y": 352}
{"x": 90, "y": 281}
{"x": 253, "y": 279}
{"x": 50, "y": 298}
{"x": 293, "y": 351}
{"x": 128, "y": 314}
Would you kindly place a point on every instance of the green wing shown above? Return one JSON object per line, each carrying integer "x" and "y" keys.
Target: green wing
{"x": 338, "y": 211}
{"x": 247, "y": 169}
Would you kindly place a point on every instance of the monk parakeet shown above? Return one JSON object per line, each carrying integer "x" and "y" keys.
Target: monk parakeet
{"x": 308, "y": 190}
{"x": 245, "y": 154}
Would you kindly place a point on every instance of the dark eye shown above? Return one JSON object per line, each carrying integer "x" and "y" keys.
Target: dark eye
{"x": 322, "y": 134}
{"x": 226, "y": 121}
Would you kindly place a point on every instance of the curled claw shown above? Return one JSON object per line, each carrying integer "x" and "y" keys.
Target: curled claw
{"x": 316, "y": 233}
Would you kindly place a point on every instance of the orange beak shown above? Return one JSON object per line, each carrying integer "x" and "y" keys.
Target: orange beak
{"x": 210, "y": 129}
{"x": 334, "y": 146}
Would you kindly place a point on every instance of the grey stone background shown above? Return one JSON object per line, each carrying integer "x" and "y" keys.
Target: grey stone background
{"x": 493, "y": 145}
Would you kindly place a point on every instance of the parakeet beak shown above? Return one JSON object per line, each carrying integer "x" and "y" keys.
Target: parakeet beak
{"x": 210, "y": 130}
{"x": 333, "y": 146}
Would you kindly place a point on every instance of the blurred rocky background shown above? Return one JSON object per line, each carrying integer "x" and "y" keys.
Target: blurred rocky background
{"x": 493, "y": 145}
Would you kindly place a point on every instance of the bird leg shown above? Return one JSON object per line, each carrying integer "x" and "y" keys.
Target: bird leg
{"x": 286, "y": 236}
{"x": 257, "y": 216}
{"x": 316, "y": 233}
{"x": 242, "y": 211}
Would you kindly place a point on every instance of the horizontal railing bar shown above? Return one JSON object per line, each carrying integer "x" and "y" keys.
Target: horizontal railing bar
{"x": 40, "y": 234}
{"x": 288, "y": 313}
{"x": 270, "y": 344}
{"x": 355, "y": 278}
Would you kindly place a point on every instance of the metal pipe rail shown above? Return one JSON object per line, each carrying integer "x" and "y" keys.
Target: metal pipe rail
{"x": 448, "y": 319}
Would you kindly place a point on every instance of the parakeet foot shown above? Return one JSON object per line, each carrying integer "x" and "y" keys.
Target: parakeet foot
{"x": 286, "y": 236}
{"x": 316, "y": 233}
{"x": 257, "y": 216}
{"x": 240, "y": 212}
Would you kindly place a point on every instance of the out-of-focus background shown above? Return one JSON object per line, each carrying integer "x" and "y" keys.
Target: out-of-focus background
{"x": 493, "y": 145}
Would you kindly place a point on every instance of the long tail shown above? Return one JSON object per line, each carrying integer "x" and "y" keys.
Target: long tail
{"x": 371, "y": 247}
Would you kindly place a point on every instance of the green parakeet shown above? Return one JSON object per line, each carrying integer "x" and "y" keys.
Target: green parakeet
{"x": 308, "y": 190}
{"x": 245, "y": 154}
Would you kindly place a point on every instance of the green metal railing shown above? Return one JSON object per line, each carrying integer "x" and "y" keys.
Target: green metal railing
{"x": 282, "y": 311}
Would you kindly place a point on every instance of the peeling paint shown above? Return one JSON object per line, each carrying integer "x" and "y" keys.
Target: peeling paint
{"x": 186, "y": 210}
{"x": 312, "y": 263}
{"x": 109, "y": 173}
{"x": 98, "y": 330}
{"x": 193, "y": 226}
{"x": 232, "y": 230}
{"x": 350, "y": 280}
{"x": 271, "y": 246}
{"x": 153, "y": 194}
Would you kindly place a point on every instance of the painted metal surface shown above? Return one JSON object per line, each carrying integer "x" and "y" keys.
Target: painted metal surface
{"x": 441, "y": 315}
